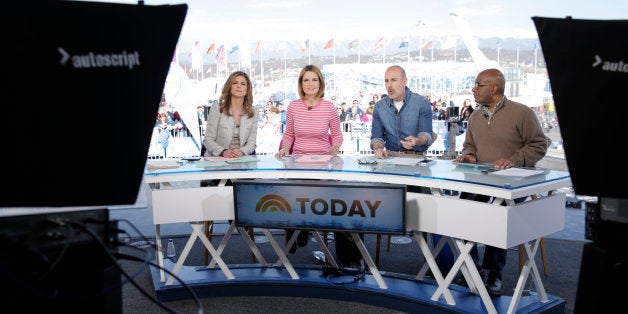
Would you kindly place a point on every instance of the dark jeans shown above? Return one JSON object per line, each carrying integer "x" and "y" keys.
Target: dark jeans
{"x": 346, "y": 250}
{"x": 494, "y": 258}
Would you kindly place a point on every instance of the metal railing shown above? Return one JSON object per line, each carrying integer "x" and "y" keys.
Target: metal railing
{"x": 356, "y": 141}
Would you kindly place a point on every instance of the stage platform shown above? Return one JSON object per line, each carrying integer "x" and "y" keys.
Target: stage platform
{"x": 403, "y": 292}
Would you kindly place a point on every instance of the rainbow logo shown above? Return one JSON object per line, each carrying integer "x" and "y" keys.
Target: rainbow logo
{"x": 273, "y": 203}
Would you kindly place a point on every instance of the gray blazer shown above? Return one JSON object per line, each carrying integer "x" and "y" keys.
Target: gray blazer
{"x": 219, "y": 132}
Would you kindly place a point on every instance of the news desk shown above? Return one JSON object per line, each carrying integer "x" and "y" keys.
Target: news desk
{"x": 463, "y": 223}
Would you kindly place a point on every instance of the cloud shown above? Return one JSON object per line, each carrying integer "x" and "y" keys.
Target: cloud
{"x": 279, "y": 4}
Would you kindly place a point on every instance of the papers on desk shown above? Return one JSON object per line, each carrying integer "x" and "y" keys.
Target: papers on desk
{"x": 218, "y": 158}
{"x": 517, "y": 172}
{"x": 217, "y": 161}
{"x": 312, "y": 159}
{"x": 162, "y": 164}
{"x": 207, "y": 164}
{"x": 245, "y": 158}
{"x": 401, "y": 161}
{"x": 474, "y": 165}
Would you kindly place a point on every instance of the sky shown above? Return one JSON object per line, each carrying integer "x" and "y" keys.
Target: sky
{"x": 253, "y": 20}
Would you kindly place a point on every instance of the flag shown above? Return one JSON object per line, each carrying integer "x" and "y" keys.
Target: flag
{"x": 354, "y": 43}
{"x": 379, "y": 43}
{"x": 211, "y": 49}
{"x": 234, "y": 49}
{"x": 329, "y": 44}
{"x": 197, "y": 59}
{"x": 450, "y": 42}
{"x": 306, "y": 45}
{"x": 427, "y": 45}
{"x": 220, "y": 56}
{"x": 403, "y": 44}
{"x": 259, "y": 42}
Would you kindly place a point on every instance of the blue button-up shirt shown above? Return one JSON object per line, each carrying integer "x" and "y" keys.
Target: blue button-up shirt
{"x": 414, "y": 119}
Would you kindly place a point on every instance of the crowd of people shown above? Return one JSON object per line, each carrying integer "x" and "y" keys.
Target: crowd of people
{"x": 401, "y": 125}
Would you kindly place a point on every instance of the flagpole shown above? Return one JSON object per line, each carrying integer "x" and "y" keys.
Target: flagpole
{"x": 176, "y": 55}
{"x": 535, "y": 54}
{"x": 384, "y": 53}
{"x": 420, "y": 48}
{"x": 455, "y": 49}
{"x": 408, "y": 49}
{"x": 285, "y": 71}
{"x": 261, "y": 64}
{"x": 517, "y": 53}
{"x": 202, "y": 57}
{"x": 226, "y": 61}
{"x": 498, "y": 50}
{"x": 358, "y": 53}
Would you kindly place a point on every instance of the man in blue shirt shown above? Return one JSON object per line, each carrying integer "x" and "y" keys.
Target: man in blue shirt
{"x": 402, "y": 122}
{"x": 401, "y": 126}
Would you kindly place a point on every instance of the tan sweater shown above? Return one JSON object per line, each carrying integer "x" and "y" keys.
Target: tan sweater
{"x": 512, "y": 131}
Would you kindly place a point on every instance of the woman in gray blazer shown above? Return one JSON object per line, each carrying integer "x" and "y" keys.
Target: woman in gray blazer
{"x": 232, "y": 123}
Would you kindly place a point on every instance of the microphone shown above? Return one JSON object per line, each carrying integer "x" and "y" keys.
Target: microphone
{"x": 309, "y": 108}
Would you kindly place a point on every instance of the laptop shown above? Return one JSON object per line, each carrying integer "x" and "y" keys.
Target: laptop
{"x": 587, "y": 66}
{"x": 82, "y": 86}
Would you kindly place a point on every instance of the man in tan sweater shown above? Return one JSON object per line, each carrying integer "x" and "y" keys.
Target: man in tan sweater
{"x": 506, "y": 134}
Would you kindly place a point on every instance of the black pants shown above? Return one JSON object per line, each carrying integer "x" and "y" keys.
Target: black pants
{"x": 346, "y": 250}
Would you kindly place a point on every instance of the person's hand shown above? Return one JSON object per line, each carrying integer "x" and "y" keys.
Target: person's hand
{"x": 503, "y": 163}
{"x": 380, "y": 153}
{"x": 233, "y": 153}
{"x": 281, "y": 153}
{"x": 333, "y": 151}
{"x": 408, "y": 142}
{"x": 466, "y": 158}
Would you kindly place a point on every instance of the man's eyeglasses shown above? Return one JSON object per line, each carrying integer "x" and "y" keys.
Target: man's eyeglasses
{"x": 480, "y": 85}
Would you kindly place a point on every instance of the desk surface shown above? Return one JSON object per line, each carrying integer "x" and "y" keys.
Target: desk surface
{"x": 443, "y": 174}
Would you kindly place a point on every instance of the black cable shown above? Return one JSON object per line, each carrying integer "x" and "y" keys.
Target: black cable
{"x": 69, "y": 240}
{"x": 132, "y": 280}
{"x": 334, "y": 273}
{"x": 187, "y": 287}
{"x": 355, "y": 277}
{"x": 144, "y": 238}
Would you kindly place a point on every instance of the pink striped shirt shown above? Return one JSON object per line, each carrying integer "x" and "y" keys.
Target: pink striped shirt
{"x": 308, "y": 131}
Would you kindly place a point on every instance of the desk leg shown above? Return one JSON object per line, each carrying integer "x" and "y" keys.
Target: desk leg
{"x": 222, "y": 244}
{"x": 431, "y": 262}
{"x": 198, "y": 232}
{"x": 465, "y": 260}
{"x": 291, "y": 240}
{"x": 159, "y": 253}
{"x": 280, "y": 252}
{"x": 323, "y": 245}
{"x": 528, "y": 266}
{"x": 251, "y": 243}
{"x": 369, "y": 261}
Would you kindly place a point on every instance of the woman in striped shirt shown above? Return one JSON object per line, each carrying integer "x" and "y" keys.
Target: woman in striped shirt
{"x": 312, "y": 122}
{"x": 312, "y": 127}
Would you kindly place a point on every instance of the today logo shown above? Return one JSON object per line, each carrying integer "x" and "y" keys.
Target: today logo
{"x": 335, "y": 207}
